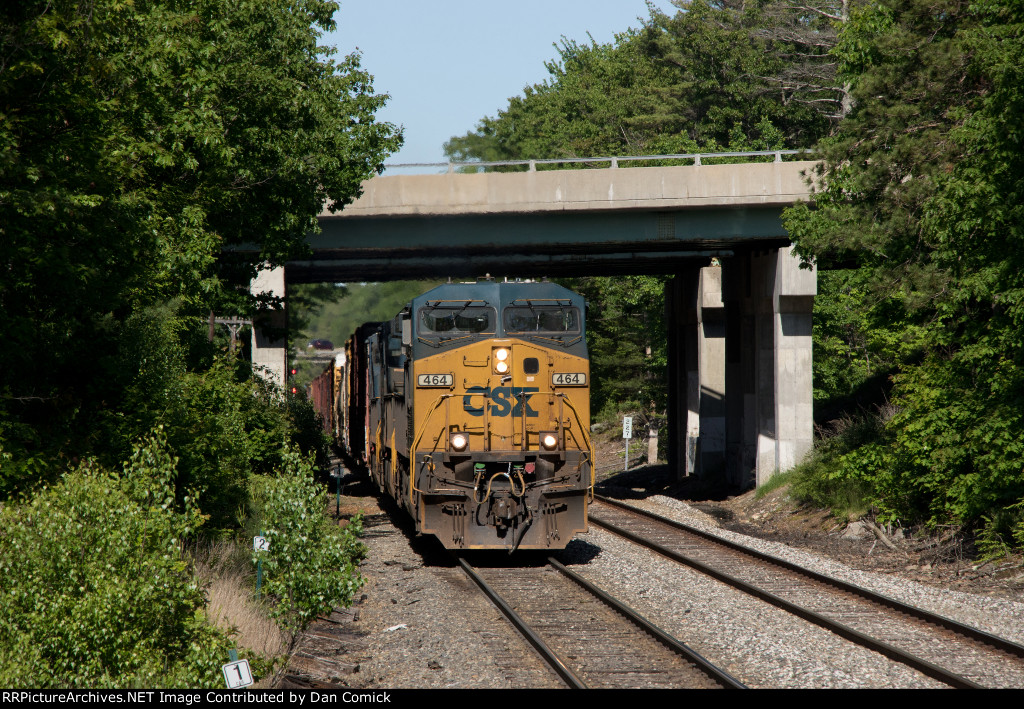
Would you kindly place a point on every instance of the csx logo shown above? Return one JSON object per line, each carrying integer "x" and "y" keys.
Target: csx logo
{"x": 507, "y": 401}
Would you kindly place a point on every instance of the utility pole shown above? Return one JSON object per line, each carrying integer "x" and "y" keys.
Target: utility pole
{"x": 234, "y": 324}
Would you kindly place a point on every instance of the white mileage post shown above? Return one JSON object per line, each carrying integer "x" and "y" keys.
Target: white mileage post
{"x": 237, "y": 674}
{"x": 627, "y": 433}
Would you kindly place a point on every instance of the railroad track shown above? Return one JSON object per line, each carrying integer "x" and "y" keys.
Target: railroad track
{"x": 587, "y": 637}
{"x": 943, "y": 649}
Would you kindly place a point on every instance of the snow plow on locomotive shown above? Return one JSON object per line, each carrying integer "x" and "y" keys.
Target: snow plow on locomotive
{"x": 471, "y": 409}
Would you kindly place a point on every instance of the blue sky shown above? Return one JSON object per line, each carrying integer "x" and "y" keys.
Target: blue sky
{"x": 449, "y": 63}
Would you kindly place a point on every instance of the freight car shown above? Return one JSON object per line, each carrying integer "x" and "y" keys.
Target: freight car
{"x": 326, "y": 392}
{"x": 471, "y": 408}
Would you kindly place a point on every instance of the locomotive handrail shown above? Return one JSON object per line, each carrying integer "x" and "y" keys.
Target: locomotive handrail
{"x": 586, "y": 437}
{"x": 511, "y": 482}
{"x": 416, "y": 443}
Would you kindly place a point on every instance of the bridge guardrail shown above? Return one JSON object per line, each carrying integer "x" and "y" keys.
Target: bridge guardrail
{"x": 613, "y": 161}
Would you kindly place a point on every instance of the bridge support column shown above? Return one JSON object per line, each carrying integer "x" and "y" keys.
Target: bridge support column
{"x": 711, "y": 334}
{"x": 739, "y": 370}
{"x": 269, "y": 346}
{"x": 684, "y": 371}
{"x": 696, "y": 332}
{"x": 769, "y": 426}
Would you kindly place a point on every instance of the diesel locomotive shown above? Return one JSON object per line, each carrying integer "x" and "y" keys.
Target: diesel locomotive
{"x": 471, "y": 408}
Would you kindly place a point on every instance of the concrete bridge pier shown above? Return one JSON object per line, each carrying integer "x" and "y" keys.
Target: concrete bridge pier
{"x": 711, "y": 344}
{"x": 269, "y": 345}
{"x": 768, "y": 302}
{"x": 740, "y": 387}
{"x": 682, "y": 321}
{"x": 696, "y": 349}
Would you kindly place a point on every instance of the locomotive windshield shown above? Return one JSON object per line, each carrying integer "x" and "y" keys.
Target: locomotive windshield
{"x": 542, "y": 319}
{"x": 456, "y": 320}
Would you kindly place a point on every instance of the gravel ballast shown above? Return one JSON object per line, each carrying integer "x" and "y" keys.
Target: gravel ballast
{"x": 425, "y": 625}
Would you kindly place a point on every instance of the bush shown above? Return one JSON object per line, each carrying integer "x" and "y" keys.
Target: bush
{"x": 225, "y": 424}
{"x": 223, "y": 429}
{"x": 95, "y": 589}
{"x": 835, "y": 476}
{"x": 312, "y": 565}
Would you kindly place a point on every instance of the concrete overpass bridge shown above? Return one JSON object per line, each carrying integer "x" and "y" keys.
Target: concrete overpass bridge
{"x": 739, "y": 330}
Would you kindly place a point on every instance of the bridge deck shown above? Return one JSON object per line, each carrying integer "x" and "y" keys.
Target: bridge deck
{"x": 556, "y": 222}
{"x": 635, "y": 188}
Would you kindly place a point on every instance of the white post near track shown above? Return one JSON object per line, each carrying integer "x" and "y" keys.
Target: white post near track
{"x": 627, "y": 433}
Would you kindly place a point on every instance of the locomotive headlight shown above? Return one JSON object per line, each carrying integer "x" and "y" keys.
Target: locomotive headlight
{"x": 549, "y": 441}
{"x": 501, "y": 360}
{"x": 459, "y": 441}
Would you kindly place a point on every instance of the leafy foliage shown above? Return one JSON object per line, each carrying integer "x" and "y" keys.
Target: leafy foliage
{"x": 312, "y": 565}
{"x": 846, "y": 350}
{"x": 227, "y": 426}
{"x": 694, "y": 81}
{"x": 922, "y": 191}
{"x": 138, "y": 141}
{"x": 94, "y": 586}
{"x": 627, "y": 344}
{"x": 153, "y": 155}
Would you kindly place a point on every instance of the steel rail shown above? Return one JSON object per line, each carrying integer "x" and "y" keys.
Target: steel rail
{"x": 893, "y": 653}
{"x": 995, "y": 641}
{"x": 547, "y": 654}
{"x": 702, "y": 663}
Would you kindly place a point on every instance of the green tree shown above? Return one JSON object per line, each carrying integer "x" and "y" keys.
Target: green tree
{"x": 717, "y": 63}
{"x": 703, "y": 79}
{"x": 584, "y": 109}
{"x": 803, "y": 36}
{"x": 137, "y": 142}
{"x": 312, "y": 564}
{"x": 627, "y": 343}
{"x": 922, "y": 189}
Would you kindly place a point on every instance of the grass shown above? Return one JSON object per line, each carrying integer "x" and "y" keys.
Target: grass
{"x": 226, "y": 571}
{"x": 775, "y": 482}
{"x": 812, "y": 482}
